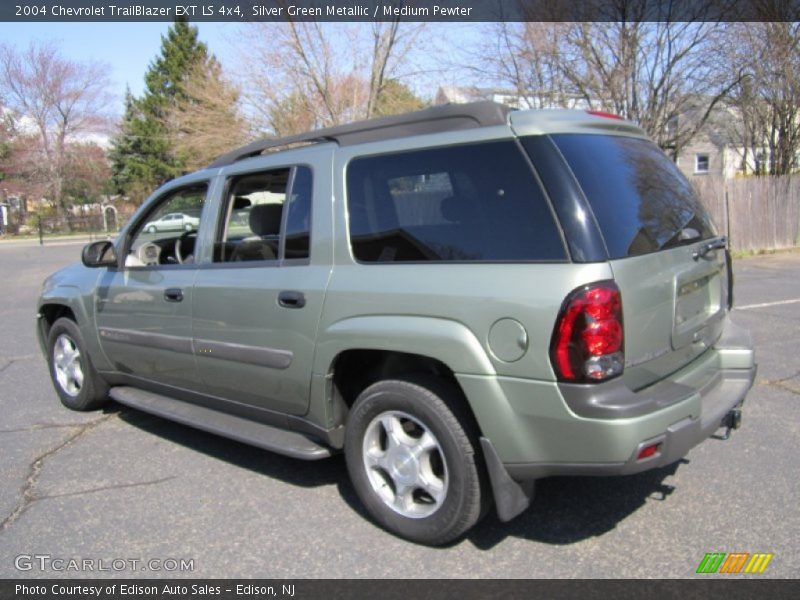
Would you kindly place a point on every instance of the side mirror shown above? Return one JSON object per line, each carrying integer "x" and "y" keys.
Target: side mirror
{"x": 99, "y": 254}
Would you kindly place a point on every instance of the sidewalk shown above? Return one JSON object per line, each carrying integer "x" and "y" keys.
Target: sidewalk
{"x": 52, "y": 240}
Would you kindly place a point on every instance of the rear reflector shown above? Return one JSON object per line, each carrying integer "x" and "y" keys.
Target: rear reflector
{"x": 588, "y": 339}
{"x": 648, "y": 451}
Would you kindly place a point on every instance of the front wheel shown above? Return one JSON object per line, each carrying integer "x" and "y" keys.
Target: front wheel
{"x": 74, "y": 377}
{"x": 412, "y": 455}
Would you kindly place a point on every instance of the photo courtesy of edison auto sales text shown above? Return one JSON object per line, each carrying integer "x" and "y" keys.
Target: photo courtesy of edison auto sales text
{"x": 169, "y": 589}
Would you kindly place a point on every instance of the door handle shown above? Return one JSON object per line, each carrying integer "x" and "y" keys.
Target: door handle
{"x": 173, "y": 295}
{"x": 719, "y": 244}
{"x": 290, "y": 299}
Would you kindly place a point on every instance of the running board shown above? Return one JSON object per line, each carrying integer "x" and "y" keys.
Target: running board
{"x": 288, "y": 443}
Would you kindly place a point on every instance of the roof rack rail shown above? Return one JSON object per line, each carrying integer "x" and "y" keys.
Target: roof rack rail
{"x": 448, "y": 117}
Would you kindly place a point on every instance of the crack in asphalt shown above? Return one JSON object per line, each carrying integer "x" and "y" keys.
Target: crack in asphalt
{"x": 28, "y": 491}
{"x": 785, "y": 383}
{"x": 40, "y": 426}
{"x": 14, "y": 359}
{"x": 116, "y": 486}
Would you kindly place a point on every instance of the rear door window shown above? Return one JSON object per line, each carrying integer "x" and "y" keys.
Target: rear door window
{"x": 471, "y": 203}
{"x": 641, "y": 201}
{"x": 267, "y": 217}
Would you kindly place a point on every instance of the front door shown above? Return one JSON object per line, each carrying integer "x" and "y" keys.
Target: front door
{"x": 144, "y": 308}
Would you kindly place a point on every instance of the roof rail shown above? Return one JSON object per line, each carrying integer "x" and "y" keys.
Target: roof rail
{"x": 448, "y": 117}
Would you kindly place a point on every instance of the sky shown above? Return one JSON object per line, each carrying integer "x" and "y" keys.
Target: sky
{"x": 127, "y": 48}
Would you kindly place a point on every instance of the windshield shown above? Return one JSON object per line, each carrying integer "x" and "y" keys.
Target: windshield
{"x": 641, "y": 201}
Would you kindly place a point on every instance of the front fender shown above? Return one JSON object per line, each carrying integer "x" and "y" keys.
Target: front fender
{"x": 80, "y": 300}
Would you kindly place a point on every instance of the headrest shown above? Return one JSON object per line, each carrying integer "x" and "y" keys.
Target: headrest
{"x": 241, "y": 202}
{"x": 265, "y": 219}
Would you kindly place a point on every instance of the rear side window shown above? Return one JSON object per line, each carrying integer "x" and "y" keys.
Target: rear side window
{"x": 479, "y": 202}
{"x": 642, "y": 202}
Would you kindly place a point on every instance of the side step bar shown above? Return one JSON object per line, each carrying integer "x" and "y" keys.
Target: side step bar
{"x": 288, "y": 443}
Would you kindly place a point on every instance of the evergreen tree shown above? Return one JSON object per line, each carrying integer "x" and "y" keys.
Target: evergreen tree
{"x": 396, "y": 98}
{"x": 129, "y": 170}
{"x": 143, "y": 154}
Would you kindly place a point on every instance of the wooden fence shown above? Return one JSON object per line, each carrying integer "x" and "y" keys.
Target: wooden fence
{"x": 756, "y": 213}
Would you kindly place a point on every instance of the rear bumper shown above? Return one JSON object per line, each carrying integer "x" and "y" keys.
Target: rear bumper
{"x": 726, "y": 391}
{"x": 532, "y": 429}
{"x": 513, "y": 483}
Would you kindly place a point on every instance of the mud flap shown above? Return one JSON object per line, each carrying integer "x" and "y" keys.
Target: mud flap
{"x": 510, "y": 497}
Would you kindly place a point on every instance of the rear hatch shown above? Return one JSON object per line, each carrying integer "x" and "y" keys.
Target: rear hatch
{"x": 666, "y": 256}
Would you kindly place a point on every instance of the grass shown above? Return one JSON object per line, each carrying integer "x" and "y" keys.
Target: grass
{"x": 763, "y": 252}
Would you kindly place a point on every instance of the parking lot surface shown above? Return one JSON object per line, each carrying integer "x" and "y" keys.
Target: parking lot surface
{"x": 122, "y": 485}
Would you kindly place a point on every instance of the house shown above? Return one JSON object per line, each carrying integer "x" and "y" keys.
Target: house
{"x": 718, "y": 149}
{"x": 464, "y": 94}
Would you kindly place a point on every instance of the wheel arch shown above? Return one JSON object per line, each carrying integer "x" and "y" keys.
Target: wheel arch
{"x": 355, "y": 353}
{"x": 69, "y": 302}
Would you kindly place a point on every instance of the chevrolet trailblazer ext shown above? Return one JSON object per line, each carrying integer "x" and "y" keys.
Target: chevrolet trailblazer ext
{"x": 463, "y": 300}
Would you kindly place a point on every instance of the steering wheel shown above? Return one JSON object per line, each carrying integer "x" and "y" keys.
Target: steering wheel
{"x": 178, "y": 242}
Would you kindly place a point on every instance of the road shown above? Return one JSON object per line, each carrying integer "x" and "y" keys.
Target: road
{"x": 120, "y": 484}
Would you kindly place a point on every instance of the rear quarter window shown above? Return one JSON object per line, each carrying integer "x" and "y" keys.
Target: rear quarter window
{"x": 472, "y": 203}
{"x": 641, "y": 201}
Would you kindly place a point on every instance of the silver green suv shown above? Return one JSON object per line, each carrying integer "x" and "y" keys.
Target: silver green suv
{"x": 462, "y": 300}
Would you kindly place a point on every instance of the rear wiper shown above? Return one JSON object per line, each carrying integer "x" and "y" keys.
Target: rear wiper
{"x": 718, "y": 244}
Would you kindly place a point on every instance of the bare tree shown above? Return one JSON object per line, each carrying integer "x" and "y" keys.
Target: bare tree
{"x": 524, "y": 58}
{"x": 60, "y": 100}
{"x": 768, "y": 97}
{"x": 653, "y": 73}
{"x": 308, "y": 74}
{"x": 6, "y": 136}
{"x": 665, "y": 76}
{"x": 89, "y": 172}
{"x": 205, "y": 121}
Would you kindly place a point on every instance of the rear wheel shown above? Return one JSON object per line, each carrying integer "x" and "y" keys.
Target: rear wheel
{"x": 412, "y": 455}
{"x": 74, "y": 377}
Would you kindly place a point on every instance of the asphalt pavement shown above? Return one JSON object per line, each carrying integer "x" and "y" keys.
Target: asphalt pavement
{"x": 143, "y": 497}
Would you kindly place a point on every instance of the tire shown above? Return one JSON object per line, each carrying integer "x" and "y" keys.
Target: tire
{"x": 152, "y": 229}
{"x": 188, "y": 227}
{"x": 426, "y": 481}
{"x": 74, "y": 377}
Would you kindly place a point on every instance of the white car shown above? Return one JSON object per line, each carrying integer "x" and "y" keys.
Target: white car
{"x": 173, "y": 222}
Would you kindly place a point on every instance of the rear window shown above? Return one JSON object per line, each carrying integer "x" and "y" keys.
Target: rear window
{"x": 642, "y": 202}
{"x": 479, "y": 202}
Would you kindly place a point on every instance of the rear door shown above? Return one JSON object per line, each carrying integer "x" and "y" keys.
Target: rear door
{"x": 666, "y": 256}
{"x": 258, "y": 298}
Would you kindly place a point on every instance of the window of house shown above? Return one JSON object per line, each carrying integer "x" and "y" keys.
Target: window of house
{"x": 267, "y": 217}
{"x": 701, "y": 163}
{"x": 761, "y": 165}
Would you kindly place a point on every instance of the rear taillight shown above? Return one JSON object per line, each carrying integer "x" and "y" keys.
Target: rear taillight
{"x": 588, "y": 339}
